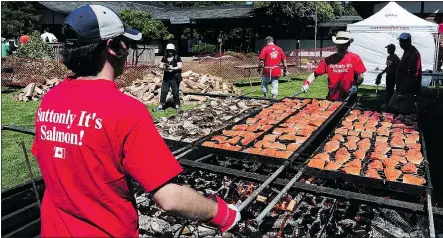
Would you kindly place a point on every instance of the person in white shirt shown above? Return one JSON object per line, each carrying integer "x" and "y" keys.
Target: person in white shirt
{"x": 48, "y": 37}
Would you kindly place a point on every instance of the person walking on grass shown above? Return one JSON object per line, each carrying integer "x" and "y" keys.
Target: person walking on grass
{"x": 90, "y": 138}
{"x": 171, "y": 64}
{"x": 269, "y": 64}
{"x": 391, "y": 67}
{"x": 344, "y": 69}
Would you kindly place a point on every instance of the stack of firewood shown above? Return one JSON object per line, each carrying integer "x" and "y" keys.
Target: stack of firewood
{"x": 35, "y": 92}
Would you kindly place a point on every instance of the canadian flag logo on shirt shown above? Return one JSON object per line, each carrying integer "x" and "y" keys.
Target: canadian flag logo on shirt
{"x": 59, "y": 152}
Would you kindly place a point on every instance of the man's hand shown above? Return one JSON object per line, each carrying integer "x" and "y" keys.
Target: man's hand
{"x": 401, "y": 97}
{"x": 305, "y": 86}
{"x": 378, "y": 80}
{"x": 353, "y": 89}
{"x": 227, "y": 215}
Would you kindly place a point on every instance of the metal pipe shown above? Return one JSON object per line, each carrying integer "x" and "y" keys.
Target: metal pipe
{"x": 271, "y": 205}
{"x": 178, "y": 157}
{"x": 176, "y": 152}
{"x": 430, "y": 216}
{"x": 28, "y": 164}
{"x": 19, "y": 129}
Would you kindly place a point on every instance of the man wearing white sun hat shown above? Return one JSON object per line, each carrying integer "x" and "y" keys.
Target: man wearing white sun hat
{"x": 90, "y": 138}
{"x": 345, "y": 69}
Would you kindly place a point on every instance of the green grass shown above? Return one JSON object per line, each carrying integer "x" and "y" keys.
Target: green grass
{"x": 14, "y": 171}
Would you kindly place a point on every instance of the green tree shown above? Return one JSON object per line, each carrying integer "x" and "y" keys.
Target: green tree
{"x": 184, "y": 4}
{"x": 35, "y": 49}
{"x": 18, "y": 17}
{"x": 151, "y": 29}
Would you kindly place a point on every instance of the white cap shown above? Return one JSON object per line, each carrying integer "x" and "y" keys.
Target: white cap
{"x": 342, "y": 37}
{"x": 170, "y": 46}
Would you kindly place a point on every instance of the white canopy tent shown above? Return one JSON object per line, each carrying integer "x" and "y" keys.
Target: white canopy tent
{"x": 384, "y": 27}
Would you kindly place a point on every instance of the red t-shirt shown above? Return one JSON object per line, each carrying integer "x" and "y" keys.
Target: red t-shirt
{"x": 342, "y": 73}
{"x": 89, "y": 137}
{"x": 24, "y": 39}
{"x": 272, "y": 55}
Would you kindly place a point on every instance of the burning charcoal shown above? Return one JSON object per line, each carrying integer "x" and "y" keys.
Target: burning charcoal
{"x": 348, "y": 223}
{"x": 395, "y": 218}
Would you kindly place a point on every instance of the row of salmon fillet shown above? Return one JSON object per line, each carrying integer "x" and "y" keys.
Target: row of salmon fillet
{"x": 382, "y": 144}
{"x": 241, "y": 135}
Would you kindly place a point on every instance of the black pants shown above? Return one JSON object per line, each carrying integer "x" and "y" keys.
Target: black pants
{"x": 170, "y": 82}
{"x": 390, "y": 84}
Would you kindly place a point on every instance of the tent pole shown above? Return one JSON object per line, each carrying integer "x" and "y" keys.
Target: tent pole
{"x": 437, "y": 52}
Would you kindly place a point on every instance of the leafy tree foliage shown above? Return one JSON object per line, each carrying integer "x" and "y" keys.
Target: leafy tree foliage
{"x": 184, "y": 4}
{"x": 35, "y": 49}
{"x": 143, "y": 21}
{"x": 18, "y": 17}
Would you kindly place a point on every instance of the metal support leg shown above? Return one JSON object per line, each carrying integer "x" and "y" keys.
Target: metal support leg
{"x": 28, "y": 164}
{"x": 430, "y": 216}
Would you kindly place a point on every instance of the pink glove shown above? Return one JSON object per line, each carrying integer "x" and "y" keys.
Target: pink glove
{"x": 227, "y": 215}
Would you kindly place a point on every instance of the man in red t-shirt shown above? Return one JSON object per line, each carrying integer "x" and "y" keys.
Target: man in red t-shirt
{"x": 24, "y": 39}
{"x": 270, "y": 58}
{"x": 345, "y": 69}
{"x": 90, "y": 138}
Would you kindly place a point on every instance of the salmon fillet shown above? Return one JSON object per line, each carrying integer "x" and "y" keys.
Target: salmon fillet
{"x": 392, "y": 174}
{"x": 338, "y": 137}
{"x": 397, "y": 142}
{"x": 399, "y": 152}
{"x": 381, "y": 147}
{"x": 376, "y": 164}
{"x": 353, "y": 133}
{"x": 268, "y": 152}
{"x": 323, "y": 156}
{"x": 342, "y": 131}
{"x": 351, "y": 145}
{"x": 372, "y": 173}
{"x": 270, "y": 138}
{"x": 411, "y": 131}
{"x": 305, "y": 132}
{"x": 278, "y": 131}
{"x": 383, "y": 131}
{"x": 234, "y": 141}
{"x": 246, "y": 134}
{"x": 370, "y": 129}
{"x": 398, "y": 134}
{"x": 364, "y": 144}
{"x": 409, "y": 168}
{"x": 390, "y": 163}
{"x": 358, "y": 128}
{"x": 254, "y": 128}
{"x": 263, "y": 144}
{"x": 377, "y": 156}
{"x": 219, "y": 139}
{"x": 300, "y": 139}
{"x": 292, "y": 147}
{"x": 414, "y": 146}
{"x": 251, "y": 121}
{"x": 351, "y": 170}
{"x": 342, "y": 155}
{"x": 291, "y": 130}
{"x": 414, "y": 156}
{"x": 241, "y": 127}
{"x": 317, "y": 122}
{"x": 411, "y": 179}
{"x": 355, "y": 163}
{"x": 360, "y": 154}
{"x": 333, "y": 166}
{"x": 381, "y": 139}
{"x": 386, "y": 124}
{"x": 366, "y": 134}
{"x": 415, "y": 137}
{"x": 317, "y": 163}
{"x": 278, "y": 146}
{"x": 398, "y": 158}
{"x": 208, "y": 144}
{"x": 290, "y": 137}
{"x": 253, "y": 150}
{"x": 332, "y": 146}
{"x": 230, "y": 133}
{"x": 353, "y": 139}
{"x": 355, "y": 112}
{"x": 283, "y": 154}
{"x": 248, "y": 139}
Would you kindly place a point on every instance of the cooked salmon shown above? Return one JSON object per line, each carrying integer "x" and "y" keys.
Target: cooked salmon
{"x": 381, "y": 139}
{"x": 390, "y": 163}
{"x": 283, "y": 154}
{"x": 351, "y": 170}
{"x": 399, "y": 152}
{"x": 372, "y": 173}
{"x": 268, "y": 152}
{"x": 342, "y": 155}
{"x": 251, "y": 121}
{"x": 270, "y": 138}
{"x": 392, "y": 174}
{"x": 332, "y": 146}
{"x": 241, "y": 127}
{"x": 230, "y": 133}
{"x": 411, "y": 179}
{"x": 338, "y": 137}
{"x": 386, "y": 124}
{"x": 398, "y": 134}
{"x": 263, "y": 144}
{"x": 342, "y": 131}
{"x": 381, "y": 147}
{"x": 398, "y": 158}
{"x": 208, "y": 144}
{"x": 370, "y": 129}
{"x": 414, "y": 146}
{"x": 355, "y": 163}
{"x": 291, "y": 130}
{"x": 317, "y": 122}
{"x": 397, "y": 142}
{"x": 355, "y": 112}
{"x": 278, "y": 146}
{"x": 353, "y": 139}
{"x": 278, "y": 131}
{"x": 358, "y": 128}
{"x": 353, "y": 133}
{"x": 364, "y": 144}
{"x": 248, "y": 139}
{"x": 409, "y": 168}
{"x": 317, "y": 163}
{"x": 411, "y": 131}
{"x": 376, "y": 164}
{"x": 323, "y": 156}
{"x": 253, "y": 150}
{"x": 245, "y": 134}
{"x": 360, "y": 154}
{"x": 350, "y": 145}
{"x": 333, "y": 166}
{"x": 366, "y": 134}
{"x": 415, "y": 137}
{"x": 383, "y": 131}
{"x": 377, "y": 156}
{"x": 219, "y": 139}
{"x": 254, "y": 128}
{"x": 305, "y": 132}
{"x": 292, "y": 147}
{"x": 414, "y": 156}
{"x": 234, "y": 141}
{"x": 300, "y": 139}
{"x": 289, "y": 137}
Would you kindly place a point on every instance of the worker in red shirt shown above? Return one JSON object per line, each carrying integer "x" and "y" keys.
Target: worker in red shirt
{"x": 90, "y": 138}
{"x": 270, "y": 58}
{"x": 24, "y": 39}
{"x": 345, "y": 69}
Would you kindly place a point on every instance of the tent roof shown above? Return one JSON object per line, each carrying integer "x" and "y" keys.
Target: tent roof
{"x": 393, "y": 18}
